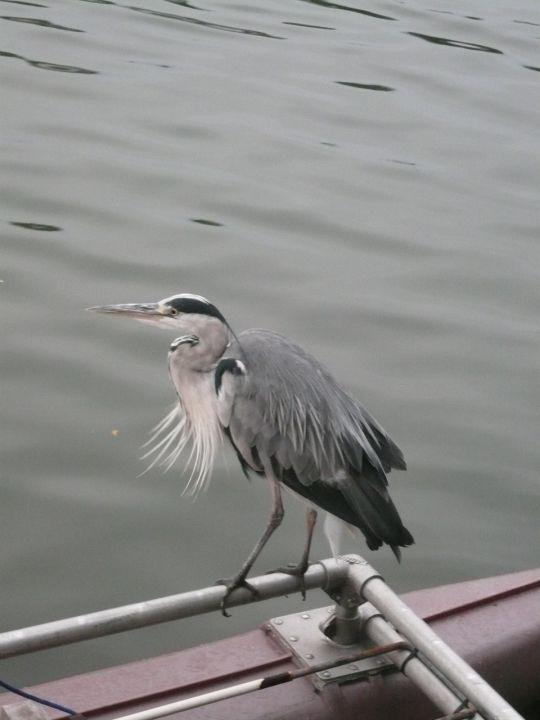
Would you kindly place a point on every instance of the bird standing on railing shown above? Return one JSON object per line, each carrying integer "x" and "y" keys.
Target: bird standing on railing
{"x": 285, "y": 416}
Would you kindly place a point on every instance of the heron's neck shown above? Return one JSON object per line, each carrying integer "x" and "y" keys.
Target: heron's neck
{"x": 197, "y": 394}
{"x": 213, "y": 339}
{"x": 198, "y": 401}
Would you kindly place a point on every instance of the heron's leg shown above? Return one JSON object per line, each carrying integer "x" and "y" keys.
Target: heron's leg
{"x": 311, "y": 521}
{"x": 302, "y": 566}
{"x": 300, "y": 569}
{"x": 239, "y": 580}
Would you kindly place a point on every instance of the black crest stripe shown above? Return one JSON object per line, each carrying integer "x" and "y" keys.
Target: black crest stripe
{"x": 192, "y": 305}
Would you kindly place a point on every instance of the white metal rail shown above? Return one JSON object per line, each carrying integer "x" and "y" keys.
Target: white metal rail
{"x": 328, "y": 575}
{"x": 370, "y": 586}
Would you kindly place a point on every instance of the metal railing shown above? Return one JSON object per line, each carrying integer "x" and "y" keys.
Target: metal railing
{"x": 327, "y": 575}
{"x": 387, "y": 618}
{"x": 364, "y": 600}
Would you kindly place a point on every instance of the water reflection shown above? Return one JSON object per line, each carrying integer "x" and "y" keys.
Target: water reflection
{"x": 196, "y": 21}
{"x": 337, "y": 6}
{"x": 449, "y": 12}
{"x": 205, "y": 221}
{"x": 366, "y": 86}
{"x": 455, "y": 43}
{"x": 41, "y": 23}
{"x": 314, "y": 27}
{"x": 35, "y": 226}
{"x": 43, "y": 65}
{"x": 23, "y": 2}
{"x": 401, "y": 162}
{"x": 185, "y": 3}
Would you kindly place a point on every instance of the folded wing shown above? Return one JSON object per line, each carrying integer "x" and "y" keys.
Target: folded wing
{"x": 282, "y": 409}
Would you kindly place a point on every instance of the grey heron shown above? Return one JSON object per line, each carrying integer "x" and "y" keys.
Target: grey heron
{"x": 285, "y": 416}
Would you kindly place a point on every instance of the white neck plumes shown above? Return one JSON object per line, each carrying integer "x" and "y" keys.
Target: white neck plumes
{"x": 192, "y": 421}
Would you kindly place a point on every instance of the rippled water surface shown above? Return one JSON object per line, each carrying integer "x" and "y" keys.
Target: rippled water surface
{"x": 362, "y": 177}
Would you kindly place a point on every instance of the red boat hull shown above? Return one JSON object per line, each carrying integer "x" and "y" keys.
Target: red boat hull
{"x": 494, "y": 624}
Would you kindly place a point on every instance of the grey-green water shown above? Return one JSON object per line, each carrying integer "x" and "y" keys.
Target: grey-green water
{"x": 362, "y": 176}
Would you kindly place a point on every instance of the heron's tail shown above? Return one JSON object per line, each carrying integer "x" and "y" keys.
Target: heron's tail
{"x": 375, "y": 513}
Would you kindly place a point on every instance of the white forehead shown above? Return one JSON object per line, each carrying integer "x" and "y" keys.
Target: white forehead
{"x": 187, "y": 296}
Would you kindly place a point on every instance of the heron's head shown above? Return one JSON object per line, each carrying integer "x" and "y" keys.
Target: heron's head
{"x": 177, "y": 312}
{"x": 191, "y": 315}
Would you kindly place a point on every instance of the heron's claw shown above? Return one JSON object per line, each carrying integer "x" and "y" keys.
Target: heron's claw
{"x": 232, "y": 584}
{"x": 296, "y": 570}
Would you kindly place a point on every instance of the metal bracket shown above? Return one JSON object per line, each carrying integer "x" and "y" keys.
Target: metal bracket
{"x": 302, "y": 635}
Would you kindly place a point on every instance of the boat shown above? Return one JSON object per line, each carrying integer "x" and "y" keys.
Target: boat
{"x": 465, "y": 650}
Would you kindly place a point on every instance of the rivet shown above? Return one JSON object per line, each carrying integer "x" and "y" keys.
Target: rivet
{"x": 293, "y": 638}
{"x": 330, "y": 610}
{"x": 353, "y": 667}
{"x": 325, "y": 674}
{"x": 305, "y": 616}
{"x": 278, "y": 622}
{"x": 309, "y": 656}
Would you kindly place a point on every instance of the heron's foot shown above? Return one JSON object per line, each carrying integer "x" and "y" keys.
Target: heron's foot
{"x": 298, "y": 570}
{"x": 232, "y": 584}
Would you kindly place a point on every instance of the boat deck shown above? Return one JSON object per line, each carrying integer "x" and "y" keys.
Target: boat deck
{"x": 494, "y": 624}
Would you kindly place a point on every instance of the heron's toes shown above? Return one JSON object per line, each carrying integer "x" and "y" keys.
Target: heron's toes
{"x": 232, "y": 584}
{"x": 296, "y": 570}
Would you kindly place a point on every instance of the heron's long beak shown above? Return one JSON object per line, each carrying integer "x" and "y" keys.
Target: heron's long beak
{"x": 144, "y": 312}
{"x": 134, "y": 310}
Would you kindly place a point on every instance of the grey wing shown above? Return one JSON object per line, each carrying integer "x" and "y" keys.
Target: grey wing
{"x": 285, "y": 411}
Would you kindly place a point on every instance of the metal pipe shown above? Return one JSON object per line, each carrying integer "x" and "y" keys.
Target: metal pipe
{"x": 460, "y": 715}
{"x": 328, "y": 575}
{"x": 380, "y": 632}
{"x": 370, "y": 586}
{"x": 347, "y": 625}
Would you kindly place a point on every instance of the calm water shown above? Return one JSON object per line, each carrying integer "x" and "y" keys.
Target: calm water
{"x": 362, "y": 177}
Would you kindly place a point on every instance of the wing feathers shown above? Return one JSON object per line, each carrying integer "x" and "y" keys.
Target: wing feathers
{"x": 287, "y": 410}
